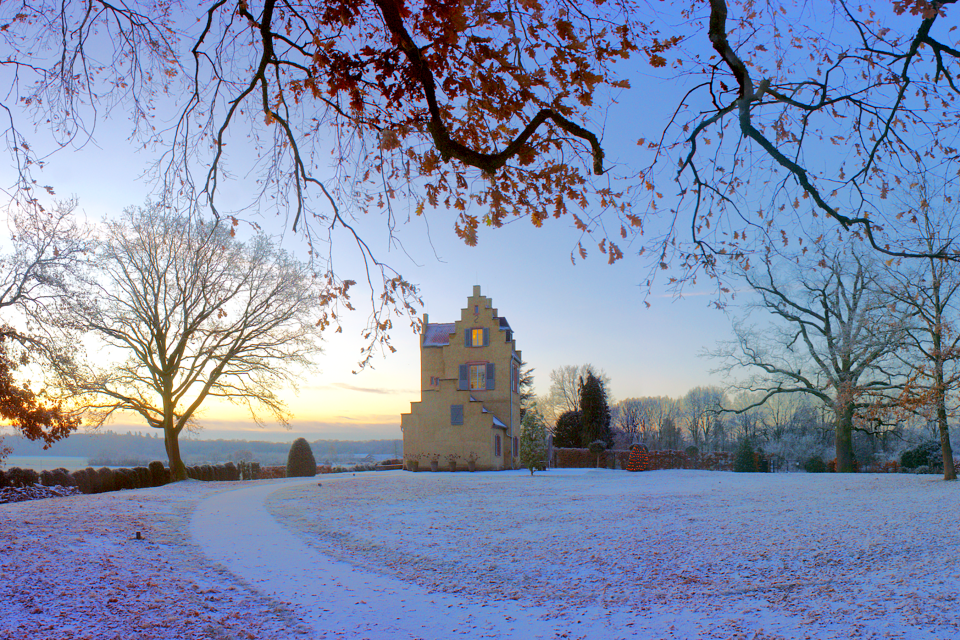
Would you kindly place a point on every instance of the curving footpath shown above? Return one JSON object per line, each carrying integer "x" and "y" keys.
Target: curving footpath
{"x": 339, "y": 601}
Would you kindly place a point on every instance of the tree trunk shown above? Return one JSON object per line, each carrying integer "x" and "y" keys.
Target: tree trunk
{"x": 178, "y": 470}
{"x": 844, "y": 440}
{"x": 949, "y": 472}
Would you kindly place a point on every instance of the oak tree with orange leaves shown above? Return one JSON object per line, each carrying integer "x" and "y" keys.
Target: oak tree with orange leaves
{"x": 48, "y": 251}
{"x": 787, "y": 115}
{"x": 352, "y": 108}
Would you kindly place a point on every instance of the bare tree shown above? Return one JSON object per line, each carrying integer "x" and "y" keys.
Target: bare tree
{"x": 193, "y": 313}
{"x": 564, "y": 393}
{"x": 835, "y": 341}
{"x": 630, "y": 422}
{"x": 807, "y": 110}
{"x": 658, "y": 410}
{"x": 701, "y": 406}
{"x": 929, "y": 290}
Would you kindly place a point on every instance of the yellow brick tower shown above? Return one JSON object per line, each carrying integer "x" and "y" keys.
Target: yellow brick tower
{"x": 469, "y": 407}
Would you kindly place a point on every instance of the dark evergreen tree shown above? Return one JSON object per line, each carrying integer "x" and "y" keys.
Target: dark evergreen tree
{"x": 300, "y": 460}
{"x": 595, "y": 414}
{"x": 745, "y": 461}
{"x": 566, "y": 434}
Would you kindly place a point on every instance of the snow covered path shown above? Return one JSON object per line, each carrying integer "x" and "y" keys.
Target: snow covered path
{"x": 575, "y": 554}
{"x": 339, "y": 600}
{"x": 599, "y": 555}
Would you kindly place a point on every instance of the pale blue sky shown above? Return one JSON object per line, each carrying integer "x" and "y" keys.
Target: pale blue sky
{"x": 562, "y": 313}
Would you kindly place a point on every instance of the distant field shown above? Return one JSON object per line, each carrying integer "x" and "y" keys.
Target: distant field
{"x": 39, "y": 463}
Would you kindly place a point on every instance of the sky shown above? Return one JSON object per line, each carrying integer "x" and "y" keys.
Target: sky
{"x": 561, "y": 313}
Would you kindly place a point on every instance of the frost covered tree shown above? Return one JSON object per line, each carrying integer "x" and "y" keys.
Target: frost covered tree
{"x": 930, "y": 289}
{"x": 533, "y": 441}
{"x": 190, "y": 313}
{"x": 834, "y": 337}
{"x": 701, "y": 406}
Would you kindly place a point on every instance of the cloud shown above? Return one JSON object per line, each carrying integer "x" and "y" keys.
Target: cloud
{"x": 351, "y": 387}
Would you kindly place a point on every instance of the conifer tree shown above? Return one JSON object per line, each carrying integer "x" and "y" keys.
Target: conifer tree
{"x": 595, "y": 414}
{"x": 533, "y": 441}
{"x": 745, "y": 461}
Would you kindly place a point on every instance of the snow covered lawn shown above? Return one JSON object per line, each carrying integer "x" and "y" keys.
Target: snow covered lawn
{"x": 564, "y": 554}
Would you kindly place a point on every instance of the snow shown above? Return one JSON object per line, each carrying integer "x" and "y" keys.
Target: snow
{"x": 563, "y": 554}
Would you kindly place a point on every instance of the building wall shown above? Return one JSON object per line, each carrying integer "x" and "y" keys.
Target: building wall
{"x": 427, "y": 430}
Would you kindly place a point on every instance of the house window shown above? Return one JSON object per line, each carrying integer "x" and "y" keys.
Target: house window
{"x": 496, "y": 445}
{"x": 434, "y": 381}
{"x": 456, "y": 414}
{"x": 477, "y": 337}
{"x": 477, "y": 377}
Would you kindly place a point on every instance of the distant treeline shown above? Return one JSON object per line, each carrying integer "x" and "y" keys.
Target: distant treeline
{"x": 109, "y": 447}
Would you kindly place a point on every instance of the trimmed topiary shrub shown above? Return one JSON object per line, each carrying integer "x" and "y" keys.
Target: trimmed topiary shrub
{"x": 108, "y": 480}
{"x": 15, "y": 476}
{"x": 692, "y": 452}
{"x": 82, "y": 479}
{"x": 30, "y": 477}
{"x": 815, "y": 465}
{"x": 47, "y": 478}
{"x": 596, "y": 448}
{"x": 4, "y": 482}
{"x": 206, "y": 473}
{"x": 143, "y": 477}
{"x": 93, "y": 479}
{"x": 159, "y": 475}
{"x": 745, "y": 460}
{"x": 124, "y": 479}
{"x": 231, "y": 471}
{"x": 300, "y": 460}
{"x": 254, "y": 470}
{"x": 64, "y": 478}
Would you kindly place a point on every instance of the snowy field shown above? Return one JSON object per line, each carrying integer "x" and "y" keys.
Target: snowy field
{"x": 564, "y": 554}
